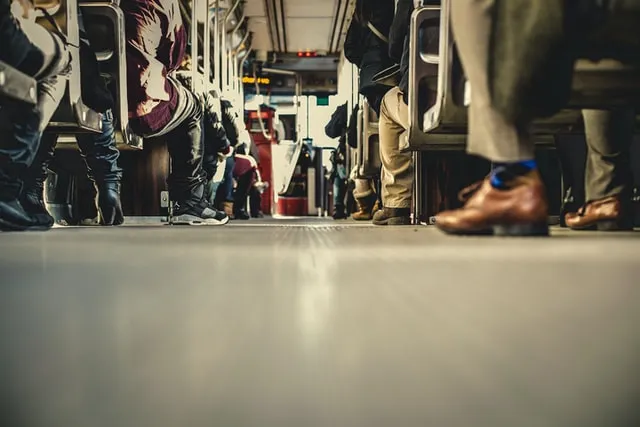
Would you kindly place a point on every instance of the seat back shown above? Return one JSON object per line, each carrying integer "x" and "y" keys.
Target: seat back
{"x": 17, "y": 86}
{"x": 105, "y": 26}
{"x": 72, "y": 115}
{"x": 368, "y": 152}
{"x": 443, "y": 123}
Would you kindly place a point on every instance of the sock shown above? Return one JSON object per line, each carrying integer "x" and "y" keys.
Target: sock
{"x": 502, "y": 173}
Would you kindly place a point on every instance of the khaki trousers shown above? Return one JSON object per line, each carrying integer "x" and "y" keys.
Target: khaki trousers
{"x": 397, "y": 167}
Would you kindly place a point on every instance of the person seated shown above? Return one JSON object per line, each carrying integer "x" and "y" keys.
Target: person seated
{"x": 366, "y": 46}
{"x": 217, "y": 148}
{"x": 233, "y": 198}
{"x": 43, "y": 55}
{"x": 608, "y": 175}
{"x": 97, "y": 149}
{"x": 512, "y": 200}
{"x": 337, "y": 128}
{"x": 161, "y": 106}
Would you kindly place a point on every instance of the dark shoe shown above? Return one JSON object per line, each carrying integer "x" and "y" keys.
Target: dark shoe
{"x": 366, "y": 207}
{"x": 518, "y": 210}
{"x": 392, "y": 216}
{"x": 32, "y": 201}
{"x": 339, "y": 213}
{"x": 199, "y": 214}
{"x": 241, "y": 215}
{"x": 606, "y": 214}
{"x": 108, "y": 203}
{"x": 14, "y": 217}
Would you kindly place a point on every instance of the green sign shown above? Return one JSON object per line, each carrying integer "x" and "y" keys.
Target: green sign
{"x": 322, "y": 101}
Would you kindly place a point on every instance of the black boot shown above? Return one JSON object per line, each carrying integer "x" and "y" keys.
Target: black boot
{"x": 14, "y": 217}
{"x": 108, "y": 203}
{"x": 339, "y": 213}
{"x": 32, "y": 196}
{"x": 101, "y": 156}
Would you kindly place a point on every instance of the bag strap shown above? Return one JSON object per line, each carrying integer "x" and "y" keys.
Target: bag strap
{"x": 55, "y": 27}
{"x": 377, "y": 32}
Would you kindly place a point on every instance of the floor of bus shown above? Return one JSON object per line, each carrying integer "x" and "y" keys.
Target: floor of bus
{"x": 311, "y": 322}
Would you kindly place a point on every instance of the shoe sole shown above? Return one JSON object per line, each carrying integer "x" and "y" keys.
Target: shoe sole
{"x": 197, "y": 221}
{"x": 394, "y": 221}
{"x": 514, "y": 230}
{"x": 608, "y": 225}
{"x": 9, "y": 226}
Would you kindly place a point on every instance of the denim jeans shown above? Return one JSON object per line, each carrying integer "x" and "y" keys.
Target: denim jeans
{"x": 100, "y": 153}
{"x": 340, "y": 185}
{"x": 21, "y": 126}
{"x": 21, "y": 129}
{"x": 226, "y": 187}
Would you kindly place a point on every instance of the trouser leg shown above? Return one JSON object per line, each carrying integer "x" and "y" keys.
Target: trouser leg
{"x": 185, "y": 144}
{"x": 242, "y": 191}
{"x": 609, "y": 135}
{"x": 101, "y": 157}
{"x": 397, "y": 167}
{"x": 50, "y": 93}
{"x": 100, "y": 153}
{"x": 490, "y": 135}
{"x": 364, "y": 188}
{"x": 20, "y": 136}
{"x": 226, "y": 187}
{"x": 340, "y": 185}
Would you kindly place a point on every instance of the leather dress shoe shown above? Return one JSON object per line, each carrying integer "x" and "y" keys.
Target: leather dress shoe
{"x": 608, "y": 214}
{"x": 518, "y": 210}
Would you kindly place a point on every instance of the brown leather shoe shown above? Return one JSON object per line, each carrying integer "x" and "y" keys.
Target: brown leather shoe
{"x": 520, "y": 210}
{"x": 606, "y": 214}
{"x": 228, "y": 209}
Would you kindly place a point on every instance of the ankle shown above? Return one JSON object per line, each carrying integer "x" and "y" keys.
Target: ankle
{"x": 502, "y": 174}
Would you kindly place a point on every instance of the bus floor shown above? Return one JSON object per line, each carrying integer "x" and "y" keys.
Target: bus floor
{"x": 316, "y": 323}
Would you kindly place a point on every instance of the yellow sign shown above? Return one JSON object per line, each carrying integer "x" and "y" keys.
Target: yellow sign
{"x": 252, "y": 80}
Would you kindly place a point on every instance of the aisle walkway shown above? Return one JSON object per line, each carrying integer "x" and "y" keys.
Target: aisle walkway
{"x": 277, "y": 324}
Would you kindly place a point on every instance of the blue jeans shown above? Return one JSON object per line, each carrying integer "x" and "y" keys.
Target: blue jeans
{"x": 100, "y": 153}
{"x": 339, "y": 185}
{"x": 226, "y": 187}
{"x": 20, "y": 130}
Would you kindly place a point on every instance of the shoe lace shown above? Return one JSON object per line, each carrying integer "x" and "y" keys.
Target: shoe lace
{"x": 466, "y": 193}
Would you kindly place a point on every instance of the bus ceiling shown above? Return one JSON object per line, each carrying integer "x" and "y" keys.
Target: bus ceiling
{"x": 293, "y": 26}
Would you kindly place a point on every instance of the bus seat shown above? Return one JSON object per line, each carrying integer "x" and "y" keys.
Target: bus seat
{"x": 444, "y": 123}
{"x": 104, "y": 23}
{"x": 72, "y": 115}
{"x": 16, "y": 85}
{"x": 369, "y": 162}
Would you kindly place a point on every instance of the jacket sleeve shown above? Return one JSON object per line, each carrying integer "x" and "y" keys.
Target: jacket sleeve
{"x": 230, "y": 123}
{"x": 353, "y": 46}
{"x": 214, "y": 133}
{"x": 338, "y": 123}
{"x": 400, "y": 29}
